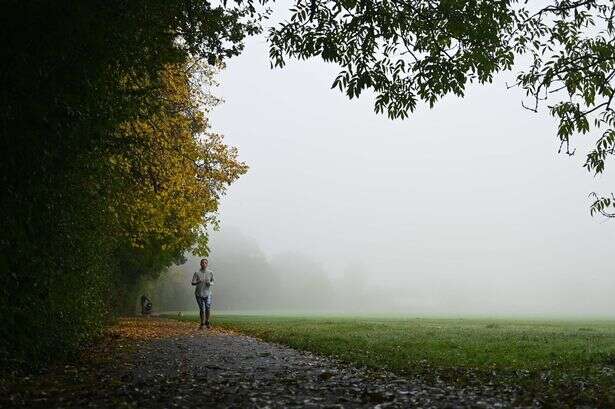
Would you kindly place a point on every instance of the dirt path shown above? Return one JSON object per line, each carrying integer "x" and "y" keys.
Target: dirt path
{"x": 157, "y": 363}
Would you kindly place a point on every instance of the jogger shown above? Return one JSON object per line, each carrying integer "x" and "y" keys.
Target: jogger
{"x": 203, "y": 280}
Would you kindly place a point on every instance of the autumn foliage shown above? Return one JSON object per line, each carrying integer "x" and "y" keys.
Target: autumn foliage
{"x": 110, "y": 171}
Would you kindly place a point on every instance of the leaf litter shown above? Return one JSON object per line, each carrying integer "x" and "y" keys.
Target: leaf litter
{"x": 162, "y": 363}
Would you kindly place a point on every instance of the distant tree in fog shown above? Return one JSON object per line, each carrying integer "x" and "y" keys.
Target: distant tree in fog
{"x": 304, "y": 283}
{"x": 246, "y": 280}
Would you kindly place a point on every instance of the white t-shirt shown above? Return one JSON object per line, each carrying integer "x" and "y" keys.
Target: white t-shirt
{"x": 203, "y": 279}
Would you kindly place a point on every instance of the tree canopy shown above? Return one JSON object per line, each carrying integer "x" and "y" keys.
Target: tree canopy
{"x": 415, "y": 51}
{"x": 110, "y": 171}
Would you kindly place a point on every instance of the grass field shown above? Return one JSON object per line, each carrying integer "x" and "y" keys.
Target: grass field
{"x": 405, "y": 344}
{"x": 573, "y": 360}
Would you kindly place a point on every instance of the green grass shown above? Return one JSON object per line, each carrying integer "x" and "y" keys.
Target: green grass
{"x": 559, "y": 363}
{"x": 408, "y": 344}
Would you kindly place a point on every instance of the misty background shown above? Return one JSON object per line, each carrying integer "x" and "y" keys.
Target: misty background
{"x": 464, "y": 209}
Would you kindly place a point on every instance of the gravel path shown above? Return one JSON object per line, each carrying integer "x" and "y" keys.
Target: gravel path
{"x": 213, "y": 369}
{"x": 222, "y": 370}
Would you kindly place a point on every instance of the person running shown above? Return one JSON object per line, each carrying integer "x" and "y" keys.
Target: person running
{"x": 203, "y": 280}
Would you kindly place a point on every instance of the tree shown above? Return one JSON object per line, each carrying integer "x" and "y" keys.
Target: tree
{"x": 165, "y": 176}
{"x": 420, "y": 50}
{"x": 108, "y": 167}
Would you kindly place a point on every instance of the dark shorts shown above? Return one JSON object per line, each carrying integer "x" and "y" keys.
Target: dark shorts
{"x": 204, "y": 302}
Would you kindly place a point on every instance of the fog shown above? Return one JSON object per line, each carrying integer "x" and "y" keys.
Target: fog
{"x": 465, "y": 209}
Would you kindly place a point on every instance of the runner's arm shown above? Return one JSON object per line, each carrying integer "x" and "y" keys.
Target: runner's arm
{"x": 195, "y": 279}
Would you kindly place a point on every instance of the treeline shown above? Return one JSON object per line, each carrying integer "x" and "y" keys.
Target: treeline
{"x": 109, "y": 171}
{"x": 247, "y": 280}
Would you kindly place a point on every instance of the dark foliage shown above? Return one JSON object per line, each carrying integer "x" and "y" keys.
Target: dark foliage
{"x": 71, "y": 73}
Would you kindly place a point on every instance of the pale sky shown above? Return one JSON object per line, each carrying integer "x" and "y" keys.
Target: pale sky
{"x": 468, "y": 206}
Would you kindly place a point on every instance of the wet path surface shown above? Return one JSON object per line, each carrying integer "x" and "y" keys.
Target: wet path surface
{"x": 214, "y": 369}
{"x": 222, "y": 370}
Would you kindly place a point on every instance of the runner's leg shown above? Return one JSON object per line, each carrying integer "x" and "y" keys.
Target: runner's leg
{"x": 200, "y": 302}
{"x": 207, "y": 302}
